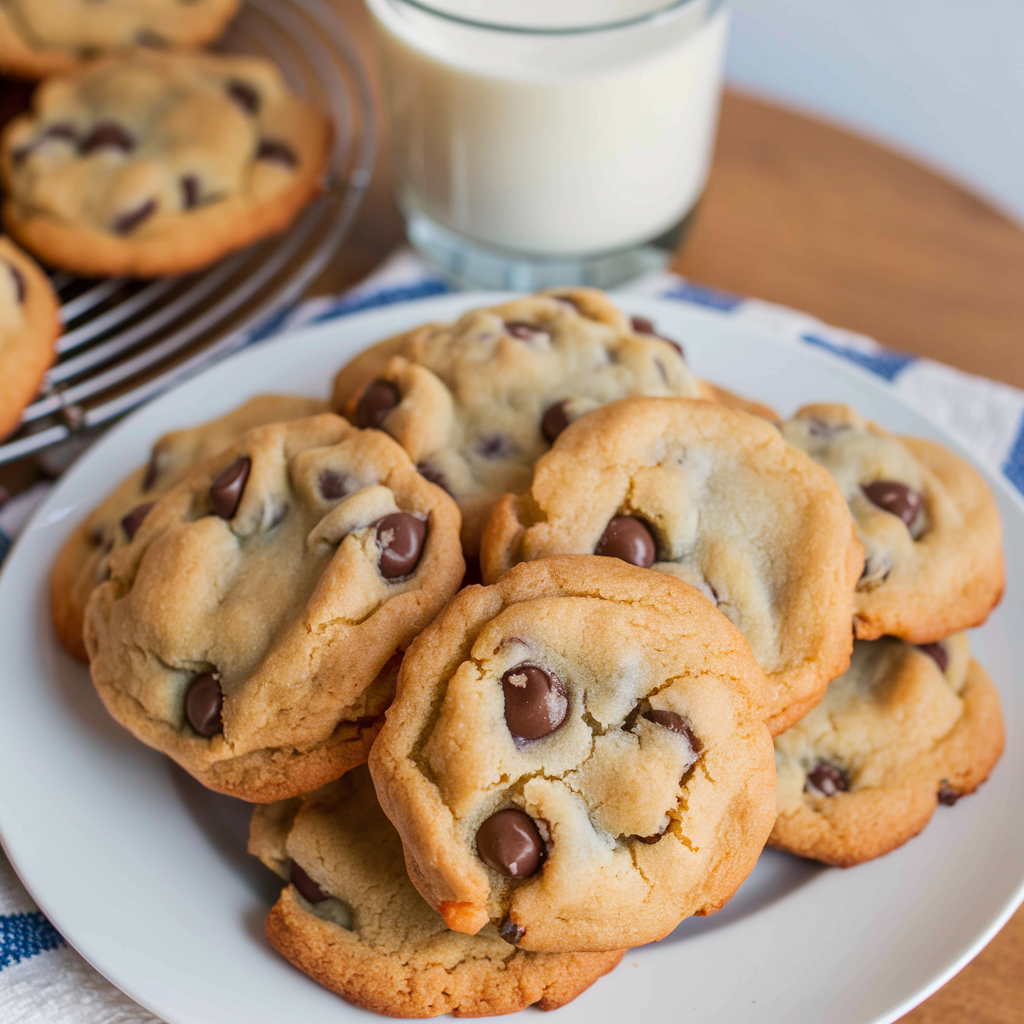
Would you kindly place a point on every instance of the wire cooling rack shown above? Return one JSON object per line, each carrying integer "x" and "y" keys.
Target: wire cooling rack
{"x": 125, "y": 341}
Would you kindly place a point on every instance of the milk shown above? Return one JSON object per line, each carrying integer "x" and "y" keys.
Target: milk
{"x": 555, "y": 145}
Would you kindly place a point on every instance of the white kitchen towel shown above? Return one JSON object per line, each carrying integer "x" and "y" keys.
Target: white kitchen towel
{"x": 43, "y": 981}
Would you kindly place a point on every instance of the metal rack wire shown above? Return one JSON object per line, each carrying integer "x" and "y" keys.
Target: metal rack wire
{"x": 126, "y": 341}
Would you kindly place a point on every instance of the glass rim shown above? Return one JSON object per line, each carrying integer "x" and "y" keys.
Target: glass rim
{"x": 669, "y": 9}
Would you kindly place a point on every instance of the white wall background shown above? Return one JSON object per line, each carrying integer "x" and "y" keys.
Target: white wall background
{"x": 940, "y": 79}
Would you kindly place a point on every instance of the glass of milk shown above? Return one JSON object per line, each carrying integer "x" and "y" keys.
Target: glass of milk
{"x": 543, "y": 142}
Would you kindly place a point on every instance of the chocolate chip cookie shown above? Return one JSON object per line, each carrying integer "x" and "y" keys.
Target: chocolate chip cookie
{"x": 902, "y": 730}
{"x": 83, "y": 561}
{"x": 159, "y": 163}
{"x": 353, "y": 921}
{"x": 250, "y": 621}
{"x": 929, "y": 524}
{"x": 41, "y": 37}
{"x": 717, "y": 498}
{"x": 577, "y": 754}
{"x": 29, "y": 328}
{"x": 477, "y": 402}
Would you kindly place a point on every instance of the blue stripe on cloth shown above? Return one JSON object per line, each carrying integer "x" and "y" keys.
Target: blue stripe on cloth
{"x": 5, "y": 545}
{"x": 700, "y": 295}
{"x": 25, "y": 935}
{"x": 383, "y": 297}
{"x": 885, "y": 362}
{"x": 1013, "y": 467}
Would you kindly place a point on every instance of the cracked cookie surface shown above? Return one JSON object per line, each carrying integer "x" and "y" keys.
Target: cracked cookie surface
{"x": 251, "y": 626}
{"x": 477, "y": 402}
{"x": 577, "y": 754}
{"x": 715, "y": 497}
{"x": 41, "y": 38}
{"x": 362, "y": 930}
{"x": 29, "y": 328}
{"x": 928, "y": 521}
{"x": 159, "y": 163}
{"x": 903, "y": 729}
{"x": 83, "y": 560}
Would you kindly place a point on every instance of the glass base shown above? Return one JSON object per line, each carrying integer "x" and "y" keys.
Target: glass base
{"x": 469, "y": 264}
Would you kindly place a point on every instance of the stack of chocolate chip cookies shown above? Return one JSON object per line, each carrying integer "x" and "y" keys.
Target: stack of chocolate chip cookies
{"x": 481, "y": 794}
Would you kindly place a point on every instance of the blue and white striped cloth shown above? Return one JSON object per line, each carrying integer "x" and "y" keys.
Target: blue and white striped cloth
{"x": 43, "y": 981}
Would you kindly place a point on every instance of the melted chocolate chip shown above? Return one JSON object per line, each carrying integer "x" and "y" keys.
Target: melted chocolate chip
{"x": 333, "y": 485}
{"x": 642, "y": 325}
{"x": 509, "y": 842}
{"x": 133, "y": 520}
{"x": 677, "y": 724}
{"x": 203, "y": 704}
{"x": 19, "y": 283}
{"x": 947, "y": 795}
{"x": 189, "y": 192}
{"x": 126, "y": 223}
{"x": 525, "y": 331}
{"x": 826, "y": 779}
{"x": 379, "y": 398}
{"x": 434, "y": 475}
{"x": 626, "y": 537}
{"x": 649, "y": 840}
{"x": 308, "y": 889}
{"x": 555, "y": 420}
{"x": 244, "y": 95}
{"x": 510, "y": 931}
{"x": 227, "y": 486}
{"x": 400, "y": 536}
{"x": 892, "y": 496}
{"x": 535, "y": 701}
{"x": 493, "y": 447}
{"x": 937, "y": 653}
{"x": 106, "y": 135}
{"x": 277, "y": 153}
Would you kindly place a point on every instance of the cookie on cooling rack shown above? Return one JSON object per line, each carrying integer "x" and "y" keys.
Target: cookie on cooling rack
{"x": 353, "y": 921}
{"x": 250, "y": 625}
{"x": 159, "y": 163}
{"x": 29, "y": 328}
{"x": 903, "y": 729}
{"x": 716, "y": 497}
{"x": 477, "y": 402}
{"x": 929, "y": 525}
{"x": 83, "y": 561}
{"x": 41, "y": 37}
{"x": 577, "y": 754}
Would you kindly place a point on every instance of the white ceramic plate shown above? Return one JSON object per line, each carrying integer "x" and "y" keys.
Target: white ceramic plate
{"x": 145, "y": 872}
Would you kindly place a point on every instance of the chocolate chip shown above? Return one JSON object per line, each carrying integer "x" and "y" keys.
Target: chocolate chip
{"x": 203, "y": 704}
{"x": 892, "y": 496}
{"x": 133, "y": 520}
{"x": 494, "y": 447}
{"x": 308, "y": 889}
{"x": 19, "y": 283}
{"x": 277, "y": 153}
{"x": 127, "y": 222}
{"x": 434, "y": 475}
{"x": 189, "y": 192}
{"x": 379, "y": 398}
{"x": 227, "y": 486}
{"x": 244, "y": 95}
{"x": 947, "y": 795}
{"x": 106, "y": 135}
{"x": 400, "y": 536}
{"x": 509, "y": 842}
{"x": 149, "y": 38}
{"x": 510, "y": 931}
{"x": 826, "y": 779}
{"x": 555, "y": 420}
{"x": 333, "y": 485}
{"x": 642, "y": 325}
{"x": 649, "y": 840}
{"x": 535, "y": 701}
{"x": 626, "y": 537}
{"x": 677, "y": 724}
{"x": 937, "y": 653}
{"x": 525, "y": 331}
